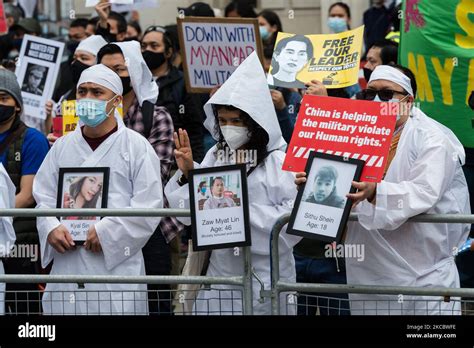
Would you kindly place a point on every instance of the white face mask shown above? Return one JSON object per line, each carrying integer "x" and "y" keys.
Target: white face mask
{"x": 235, "y": 136}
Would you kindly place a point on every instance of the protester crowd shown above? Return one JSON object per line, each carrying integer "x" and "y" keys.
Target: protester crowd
{"x": 138, "y": 119}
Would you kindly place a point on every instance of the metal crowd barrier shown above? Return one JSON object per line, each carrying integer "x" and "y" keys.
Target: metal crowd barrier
{"x": 338, "y": 305}
{"x": 242, "y": 284}
{"x": 241, "y": 291}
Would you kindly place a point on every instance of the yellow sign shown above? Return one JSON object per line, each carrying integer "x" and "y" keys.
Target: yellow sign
{"x": 70, "y": 120}
{"x": 333, "y": 59}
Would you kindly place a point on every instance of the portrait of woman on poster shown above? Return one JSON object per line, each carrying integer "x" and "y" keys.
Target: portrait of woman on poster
{"x": 84, "y": 192}
{"x": 290, "y": 56}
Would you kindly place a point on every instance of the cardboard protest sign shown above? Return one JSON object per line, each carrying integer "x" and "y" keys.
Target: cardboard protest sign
{"x": 332, "y": 59}
{"x": 3, "y": 20}
{"x": 356, "y": 129}
{"x": 213, "y": 48}
{"x": 36, "y": 71}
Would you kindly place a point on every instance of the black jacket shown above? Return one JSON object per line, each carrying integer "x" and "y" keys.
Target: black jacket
{"x": 183, "y": 108}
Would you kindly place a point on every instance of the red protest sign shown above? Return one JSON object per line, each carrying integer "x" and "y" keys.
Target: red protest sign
{"x": 3, "y": 20}
{"x": 344, "y": 127}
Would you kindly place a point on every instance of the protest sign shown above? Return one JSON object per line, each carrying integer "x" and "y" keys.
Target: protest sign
{"x": 332, "y": 59}
{"x": 70, "y": 120}
{"x": 356, "y": 129}
{"x": 3, "y": 20}
{"x": 219, "y": 207}
{"x": 213, "y": 48}
{"x": 437, "y": 44}
{"x": 322, "y": 209}
{"x": 92, "y": 3}
{"x": 36, "y": 71}
{"x": 135, "y": 6}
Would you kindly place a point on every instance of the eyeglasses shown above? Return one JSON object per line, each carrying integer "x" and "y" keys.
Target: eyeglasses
{"x": 384, "y": 94}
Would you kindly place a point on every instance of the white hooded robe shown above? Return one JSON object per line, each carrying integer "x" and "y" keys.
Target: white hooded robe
{"x": 134, "y": 183}
{"x": 271, "y": 192}
{"x": 425, "y": 176}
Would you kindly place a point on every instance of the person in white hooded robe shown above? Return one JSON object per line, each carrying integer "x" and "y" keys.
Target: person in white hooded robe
{"x": 243, "y": 106}
{"x": 423, "y": 177}
{"x": 7, "y": 233}
{"x": 113, "y": 245}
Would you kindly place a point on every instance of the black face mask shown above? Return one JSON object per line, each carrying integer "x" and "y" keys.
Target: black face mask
{"x": 72, "y": 45}
{"x": 471, "y": 100}
{"x": 77, "y": 68}
{"x": 6, "y": 113}
{"x": 127, "y": 86}
{"x": 367, "y": 73}
{"x": 154, "y": 60}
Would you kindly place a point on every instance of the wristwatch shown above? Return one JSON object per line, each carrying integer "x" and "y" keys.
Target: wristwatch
{"x": 182, "y": 180}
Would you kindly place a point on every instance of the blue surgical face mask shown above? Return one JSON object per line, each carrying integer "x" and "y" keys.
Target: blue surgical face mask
{"x": 92, "y": 112}
{"x": 337, "y": 24}
{"x": 264, "y": 33}
{"x": 203, "y": 190}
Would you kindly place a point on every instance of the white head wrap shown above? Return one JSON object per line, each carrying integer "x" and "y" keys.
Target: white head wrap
{"x": 103, "y": 76}
{"x": 389, "y": 73}
{"x": 140, "y": 76}
{"x": 91, "y": 45}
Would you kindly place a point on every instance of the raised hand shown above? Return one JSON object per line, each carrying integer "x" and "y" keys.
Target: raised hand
{"x": 183, "y": 152}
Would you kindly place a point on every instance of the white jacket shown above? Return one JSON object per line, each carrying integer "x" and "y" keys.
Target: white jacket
{"x": 271, "y": 194}
{"x": 425, "y": 176}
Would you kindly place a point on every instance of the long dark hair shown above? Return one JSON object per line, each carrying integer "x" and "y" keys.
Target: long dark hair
{"x": 244, "y": 8}
{"x": 75, "y": 189}
{"x": 272, "y": 19}
{"x": 258, "y": 136}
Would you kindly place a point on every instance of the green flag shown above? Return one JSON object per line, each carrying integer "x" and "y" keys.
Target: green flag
{"x": 437, "y": 44}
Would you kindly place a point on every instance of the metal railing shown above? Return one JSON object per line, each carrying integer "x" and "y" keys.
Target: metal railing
{"x": 245, "y": 281}
{"x": 277, "y": 286}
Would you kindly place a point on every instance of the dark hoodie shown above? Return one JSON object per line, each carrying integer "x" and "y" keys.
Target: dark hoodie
{"x": 172, "y": 95}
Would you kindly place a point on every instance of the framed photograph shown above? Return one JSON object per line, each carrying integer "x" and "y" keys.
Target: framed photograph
{"x": 219, "y": 207}
{"x": 85, "y": 188}
{"x": 321, "y": 209}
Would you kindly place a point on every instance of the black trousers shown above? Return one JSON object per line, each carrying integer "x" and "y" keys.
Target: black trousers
{"x": 157, "y": 257}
